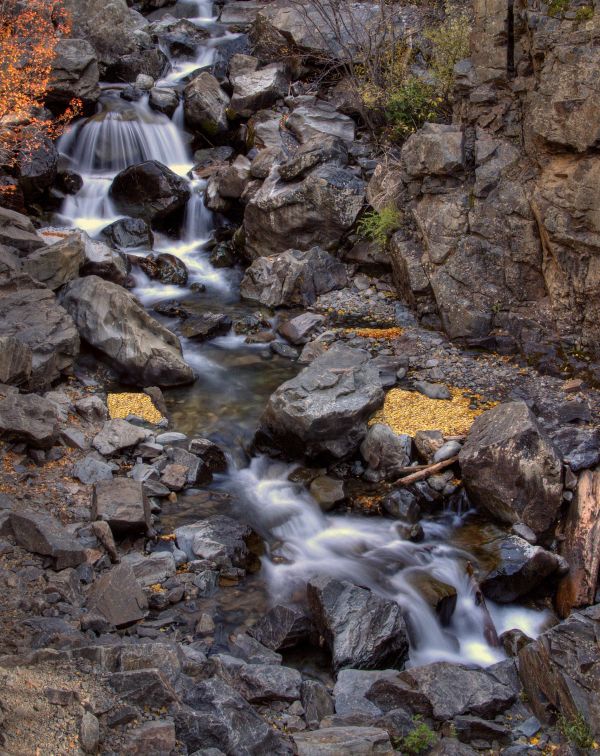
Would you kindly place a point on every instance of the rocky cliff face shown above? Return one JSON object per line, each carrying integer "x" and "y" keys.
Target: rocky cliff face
{"x": 502, "y": 240}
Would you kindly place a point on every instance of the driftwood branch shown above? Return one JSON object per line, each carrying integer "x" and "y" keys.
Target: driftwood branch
{"x": 426, "y": 471}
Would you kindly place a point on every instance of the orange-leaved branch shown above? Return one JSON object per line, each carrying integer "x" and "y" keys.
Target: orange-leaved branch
{"x": 29, "y": 33}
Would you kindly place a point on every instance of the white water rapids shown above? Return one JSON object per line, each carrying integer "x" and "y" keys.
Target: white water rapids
{"x": 302, "y": 540}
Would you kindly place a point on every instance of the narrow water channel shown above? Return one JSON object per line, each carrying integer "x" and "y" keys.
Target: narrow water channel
{"x": 234, "y": 382}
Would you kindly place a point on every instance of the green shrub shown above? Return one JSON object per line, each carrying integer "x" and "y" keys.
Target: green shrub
{"x": 410, "y": 106}
{"x": 558, "y": 7}
{"x": 584, "y": 13}
{"x": 418, "y": 740}
{"x": 450, "y": 42}
{"x": 379, "y": 226}
{"x": 576, "y": 731}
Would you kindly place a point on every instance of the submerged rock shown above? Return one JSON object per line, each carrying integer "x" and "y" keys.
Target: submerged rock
{"x": 323, "y": 410}
{"x": 112, "y": 321}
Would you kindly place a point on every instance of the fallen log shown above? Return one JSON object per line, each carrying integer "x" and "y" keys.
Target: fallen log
{"x": 426, "y": 471}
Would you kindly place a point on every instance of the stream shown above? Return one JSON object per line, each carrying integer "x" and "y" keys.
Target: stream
{"x": 234, "y": 382}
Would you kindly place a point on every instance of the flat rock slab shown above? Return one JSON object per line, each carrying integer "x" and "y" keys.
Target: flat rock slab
{"x": 42, "y": 534}
{"x": 333, "y": 741}
{"x": 121, "y": 503}
{"x": 118, "y": 596}
{"x": 117, "y": 435}
{"x": 151, "y": 569}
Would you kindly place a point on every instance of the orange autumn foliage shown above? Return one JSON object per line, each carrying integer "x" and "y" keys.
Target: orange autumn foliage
{"x": 29, "y": 33}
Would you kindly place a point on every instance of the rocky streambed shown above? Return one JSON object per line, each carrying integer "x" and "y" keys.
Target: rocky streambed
{"x": 253, "y": 499}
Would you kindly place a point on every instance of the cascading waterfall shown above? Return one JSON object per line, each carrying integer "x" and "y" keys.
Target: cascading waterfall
{"x": 302, "y": 540}
{"x": 369, "y": 552}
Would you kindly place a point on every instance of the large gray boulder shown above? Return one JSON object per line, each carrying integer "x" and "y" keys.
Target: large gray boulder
{"x": 75, "y": 72}
{"x": 30, "y": 313}
{"x": 324, "y": 409}
{"x": 15, "y": 361}
{"x": 58, "y": 263}
{"x": 444, "y": 690}
{"x": 254, "y": 90}
{"x": 319, "y": 149}
{"x": 205, "y": 105}
{"x": 28, "y": 418}
{"x": 511, "y": 469}
{"x": 361, "y": 629}
{"x": 112, "y": 321}
{"x": 313, "y": 119}
{"x": 294, "y": 278}
{"x": 560, "y": 671}
{"x": 317, "y": 210}
{"x": 385, "y": 452}
{"x": 215, "y": 716}
{"x": 149, "y": 191}
{"x": 281, "y": 627}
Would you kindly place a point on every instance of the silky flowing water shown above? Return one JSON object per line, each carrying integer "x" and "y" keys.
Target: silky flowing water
{"x": 234, "y": 382}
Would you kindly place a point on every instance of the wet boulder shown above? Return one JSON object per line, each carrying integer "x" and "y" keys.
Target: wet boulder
{"x": 205, "y": 105}
{"x": 27, "y": 418}
{"x": 43, "y": 534}
{"x": 222, "y": 540}
{"x": 511, "y": 469}
{"x": 281, "y": 627}
{"x": 112, "y": 321}
{"x": 38, "y": 168}
{"x": 103, "y": 261}
{"x": 206, "y": 326}
{"x": 385, "y": 452}
{"x": 149, "y": 191}
{"x": 361, "y": 629}
{"x": 324, "y": 409}
{"x": 521, "y": 568}
{"x": 254, "y": 90}
{"x": 75, "y": 72}
{"x": 560, "y": 671}
{"x": 444, "y": 690}
{"x": 315, "y": 211}
{"x": 128, "y": 233}
{"x": 164, "y": 100}
{"x": 293, "y": 278}
{"x": 164, "y": 267}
